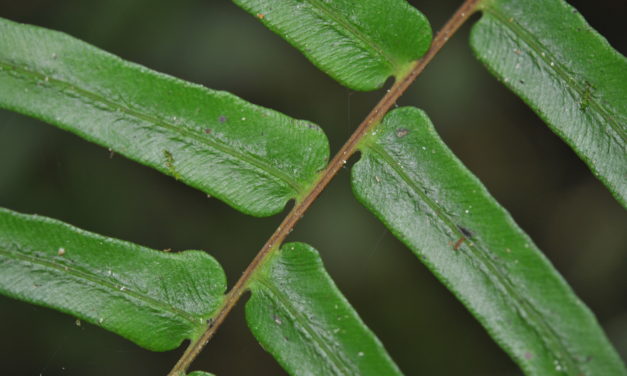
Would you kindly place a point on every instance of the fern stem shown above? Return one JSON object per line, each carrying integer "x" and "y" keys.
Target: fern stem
{"x": 349, "y": 148}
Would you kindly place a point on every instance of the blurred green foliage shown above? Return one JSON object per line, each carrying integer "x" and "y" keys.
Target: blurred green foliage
{"x": 548, "y": 190}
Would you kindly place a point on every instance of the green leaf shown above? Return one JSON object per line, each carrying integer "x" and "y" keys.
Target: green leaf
{"x": 359, "y": 43}
{"x": 546, "y": 53}
{"x": 253, "y": 158}
{"x": 411, "y": 181}
{"x": 155, "y": 299}
{"x": 300, "y": 317}
{"x": 200, "y": 373}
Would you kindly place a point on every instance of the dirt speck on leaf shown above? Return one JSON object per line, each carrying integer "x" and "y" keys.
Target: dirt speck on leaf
{"x": 401, "y": 132}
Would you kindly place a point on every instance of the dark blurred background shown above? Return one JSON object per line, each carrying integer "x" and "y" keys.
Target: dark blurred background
{"x": 549, "y": 191}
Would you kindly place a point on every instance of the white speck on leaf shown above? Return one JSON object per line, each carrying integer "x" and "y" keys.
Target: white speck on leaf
{"x": 278, "y": 320}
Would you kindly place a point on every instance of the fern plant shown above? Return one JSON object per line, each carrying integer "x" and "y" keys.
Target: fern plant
{"x": 256, "y": 160}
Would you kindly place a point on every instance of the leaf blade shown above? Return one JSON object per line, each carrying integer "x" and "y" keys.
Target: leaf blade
{"x": 547, "y": 54}
{"x": 298, "y": 315}
{"x": 155, "y": 299}
{"x": 358, "y": 43}
{"x": 412, "y": 182}
{"x": 253, "y": 158}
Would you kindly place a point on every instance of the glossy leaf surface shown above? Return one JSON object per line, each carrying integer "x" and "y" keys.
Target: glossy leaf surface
{"x": 298, "y": 315}
{"x": 411, "y": 181}
{"x": 359, "y": 43}
{"x": 546, "y": 53}
{"x": 253, "y": 158}
{"x": 155, "y": 299}
{"x": 200, "y": 373}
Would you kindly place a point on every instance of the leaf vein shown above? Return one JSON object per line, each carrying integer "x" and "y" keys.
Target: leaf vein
{"x": 525, "y": 309}
{"x": 555, "y": 65}
{"x": 118, "y": 288}
{"x": 379, "y": 50}
{"x": 341, "y": 366}
{"x": 194, "y": 137}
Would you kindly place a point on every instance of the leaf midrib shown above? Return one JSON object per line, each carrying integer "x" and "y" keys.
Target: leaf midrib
{"x": 340, "y": 365}
{"x": 379, "y": 50}
{"x": 118, "y": 288}
{"x": 549, "y": 337}
{"x": 192, "y": 136}
{"x": 557, "y": 67}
